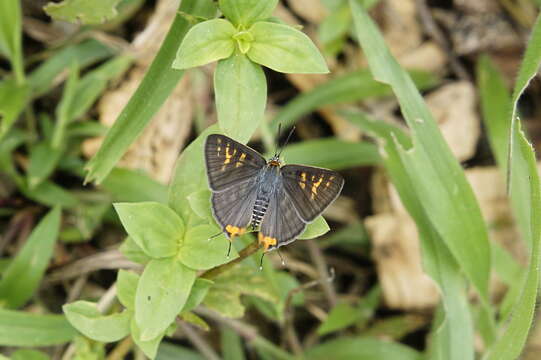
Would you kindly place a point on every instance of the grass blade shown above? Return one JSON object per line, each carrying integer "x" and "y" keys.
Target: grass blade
{"x": 525, "y": 191}
{"x": 528, "y": 69}
{"x": 454, "y": 333}
{"x": 23, "y": 275}
{"x": 10, "y": 36}
{"x": 19, "y": 328}
{"x": 447, "y": 197}
{"x": 355, "y": 86}
{"x": 156, "y": 86}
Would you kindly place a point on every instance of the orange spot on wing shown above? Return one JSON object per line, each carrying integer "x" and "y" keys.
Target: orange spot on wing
{"x": 233, "y": 231}
{"x": 266, "y": 241}
{"x": 315, "y": 185}
{"x": 239, "y": 163}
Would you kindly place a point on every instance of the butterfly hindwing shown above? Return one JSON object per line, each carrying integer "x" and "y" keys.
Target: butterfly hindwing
{"x": 232, "y": 208}
{"x": 229, "y": 162}
{"x": 281, "y": 224}
{"x": 311, "y": 189}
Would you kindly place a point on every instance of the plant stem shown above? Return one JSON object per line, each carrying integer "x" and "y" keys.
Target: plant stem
{"x": 243, "y": 254}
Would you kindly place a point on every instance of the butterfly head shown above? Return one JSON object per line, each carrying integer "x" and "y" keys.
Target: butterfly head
{"x": 275, "y": 161}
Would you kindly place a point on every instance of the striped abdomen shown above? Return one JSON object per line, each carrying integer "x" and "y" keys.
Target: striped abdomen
{"x": 260, "y": 208}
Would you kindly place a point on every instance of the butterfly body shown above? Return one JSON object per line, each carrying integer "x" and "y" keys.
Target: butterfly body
{"x": 250, "y": 192}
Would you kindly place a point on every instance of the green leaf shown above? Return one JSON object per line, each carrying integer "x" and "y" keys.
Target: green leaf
{"x": 133, "y": 252}
{"x": 88, "y": 320}
{"x": 453, "y": 333}
{"x": 10, "y": 36}
{"x": 496, "y": 107}
{"x": 361, "y": 348}
{"x": 332, "y": 153}
{"x": 92, "y": 85}
{"x": 126, "y": 287}
{"x": 246, "y": 12}
{"x": 200, "y": 204}
{"x": 82, "y": 11}
{"x": 341, "y": 316}
{"x": 189, "y": 178}
{"x": 27, "y": 354}
{"x": 194, "y": 319}
{"x": 156, "y": 228}
{"x": 240, "y": 90}
{"x": 62, "y": 109}
{"x": 162, "y": 291}
{"x": 528, "y": 67}
{"x": 19, "y": 328}
{"x": 200, "y": 289}
{"x": 158, "y": 83}
{"x": 206, "y": 42}
{"x": 350, "y": 87}
{"x": 168, "y": 351}
{"x": 231, "y": 344}
{"x": 23, "y": 275}
{"x": 447, "y": 197}
{"x": 134, "y": 186}
{"x": 525, "y": 189}
{"x": 315, "y": 229}
{"x": 200, "y": 253}
{"x": 50, "y": 194}
{"x": 84, "y": 54}
{"x": 149, "y": 347}
{"x": 43, "y": 160}
{"x": 285, "y": 49}
{"x": 335, "y": 27}
{"x": 224, "y": 295}
{"x": 13, "y": 99}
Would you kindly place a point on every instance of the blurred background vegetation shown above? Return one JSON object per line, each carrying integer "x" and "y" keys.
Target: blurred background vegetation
{"x": 75, "y": 72}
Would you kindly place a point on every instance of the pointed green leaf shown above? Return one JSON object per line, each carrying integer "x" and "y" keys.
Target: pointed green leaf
{"x": 149, "y": 347}
{"x": 126, "y": 287}
{"x": 205, "y": 42}
{"x": 246, "y": 12}
{"x": 200, "y": 253}
{"x": 161, "y": 293}
{"x": 156, "y": 228}
{"x": 86, "y": 318}
{"x": 241, "y": 96}
{"x": 83, "y": 11}
{"x": 22, "y": 277}
{"x": 315, "y": 229}
{"x": 285, "y": 49}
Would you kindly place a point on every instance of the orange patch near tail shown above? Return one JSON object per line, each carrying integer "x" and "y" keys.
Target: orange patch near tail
{"x": 266, "y": 241}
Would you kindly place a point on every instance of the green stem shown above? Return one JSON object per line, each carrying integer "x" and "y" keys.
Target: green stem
{"x": 243, "y": 254}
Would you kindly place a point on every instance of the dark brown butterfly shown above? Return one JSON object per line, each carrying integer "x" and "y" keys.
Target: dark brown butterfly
{"x": 250, "y": 193}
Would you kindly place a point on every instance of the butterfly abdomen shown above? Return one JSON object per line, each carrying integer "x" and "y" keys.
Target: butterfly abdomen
{"x": 260, "y": 208}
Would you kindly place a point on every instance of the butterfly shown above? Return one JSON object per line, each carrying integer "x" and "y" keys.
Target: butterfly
{"x": 250, "y": 193}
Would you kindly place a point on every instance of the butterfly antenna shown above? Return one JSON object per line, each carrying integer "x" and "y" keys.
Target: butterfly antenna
{"x": 278, "y": 139}
{"x": 281, "y": 258}
{"x": 287, "y": 140}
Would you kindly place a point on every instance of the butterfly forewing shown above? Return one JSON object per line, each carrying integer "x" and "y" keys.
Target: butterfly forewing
{"x": 229, "y": 162}
{"x": 232, "y": 208}
{"x": 311, "y": 189}
{"x": 281, "y": 224}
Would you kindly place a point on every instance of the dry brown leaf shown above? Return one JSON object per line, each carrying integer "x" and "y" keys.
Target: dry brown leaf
{"x": 396, "y": 245}
{"x": 313, "y": 11}
{"x": 454, "y": 108}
